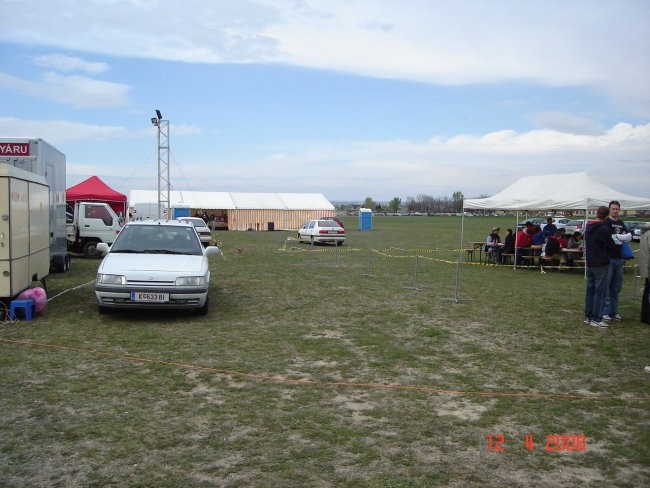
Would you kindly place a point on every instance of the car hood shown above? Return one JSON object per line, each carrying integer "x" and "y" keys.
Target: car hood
{"x": 132, "y": 264}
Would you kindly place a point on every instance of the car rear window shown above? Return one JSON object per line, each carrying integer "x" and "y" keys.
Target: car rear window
{"x": 327, "y": 223}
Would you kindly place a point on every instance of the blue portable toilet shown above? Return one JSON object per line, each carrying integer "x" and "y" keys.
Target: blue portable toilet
{"x": 365, "y": 219}
{"x": 180, "y": 211}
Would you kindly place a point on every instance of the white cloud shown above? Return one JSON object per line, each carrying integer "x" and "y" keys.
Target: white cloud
{"x": 58, "y": 131}
{"x": 78, "y": 91}
{"x": 474, "y": 164}
{"x": 61, "y": 62}
{"x": 596, "y": 43}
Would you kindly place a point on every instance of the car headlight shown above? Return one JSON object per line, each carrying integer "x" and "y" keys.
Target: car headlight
{"x": 191, "y": 280}
{"x": 110, "y": 279}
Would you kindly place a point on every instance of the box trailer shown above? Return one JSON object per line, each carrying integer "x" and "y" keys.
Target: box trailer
{"x": 38, "y": 157}
{"x": 24, "y": 230}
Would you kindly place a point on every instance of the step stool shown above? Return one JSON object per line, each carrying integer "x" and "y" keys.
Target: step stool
{"x": 27, "y": 304}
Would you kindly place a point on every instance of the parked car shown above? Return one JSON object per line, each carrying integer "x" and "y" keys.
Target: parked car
{"x": 201, "y": 229}
{"x": 575, "y": 226}
{"x": 635, "y": 229}
{"x": 560, "y": 222}
{"x": 322, "y": 230}
{"x": 154, "y": 264}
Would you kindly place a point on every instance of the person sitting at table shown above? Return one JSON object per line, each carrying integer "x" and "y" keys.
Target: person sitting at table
{"x": 561, "y": 237}
{"x": 508, "y": 245}
{"x": 553, "y": 250}
{"x": 492, "y": 249}
{"x": 550, "y": 229}
{"x": 524, "y": 239}
{"x": 575, "y": 242}
{"x": 538, "y": 239}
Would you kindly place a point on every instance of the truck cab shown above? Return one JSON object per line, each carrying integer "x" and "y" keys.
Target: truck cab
{"x": 90, "y": 223}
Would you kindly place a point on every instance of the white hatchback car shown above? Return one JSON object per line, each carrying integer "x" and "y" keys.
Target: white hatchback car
{"x": 154, "y": 264}
{"x": 322, "y": 230}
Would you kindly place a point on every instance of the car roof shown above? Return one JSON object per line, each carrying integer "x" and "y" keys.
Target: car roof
{"x": 161, "y": 222}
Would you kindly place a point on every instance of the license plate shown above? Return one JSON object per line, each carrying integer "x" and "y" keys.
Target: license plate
{"x": 146, "y": 296}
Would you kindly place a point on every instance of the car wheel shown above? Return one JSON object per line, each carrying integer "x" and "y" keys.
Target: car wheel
{"x": 311, "y": 240}
{"x": 104, "y": 310}
{"x": 204, "y": 309}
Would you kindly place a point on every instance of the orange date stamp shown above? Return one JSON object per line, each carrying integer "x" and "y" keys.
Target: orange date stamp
{"x": 554, "y": 443}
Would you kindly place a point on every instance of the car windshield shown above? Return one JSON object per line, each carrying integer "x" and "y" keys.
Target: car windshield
{"x": 327, "y": 223}
{"x": 157, "y": 239}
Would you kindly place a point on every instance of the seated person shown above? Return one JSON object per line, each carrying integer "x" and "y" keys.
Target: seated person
{"x": 524, "y": 239}
{"x": 552, "y": 250}
{"x": 575, "y": 242}
{"x": 508, "y": 245}
{"x": 538, "y": 239}
{"x": 492, "y": 247}
{"x": 561, "y": 237}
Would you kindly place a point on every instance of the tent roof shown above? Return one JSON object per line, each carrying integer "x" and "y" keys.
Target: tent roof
{"x": 93, "y": 189}
{"x": 573, "y": 191}
{"x": 232, "y": 201}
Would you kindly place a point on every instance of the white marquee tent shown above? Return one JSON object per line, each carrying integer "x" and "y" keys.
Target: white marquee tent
{"x": 573, "y": 191}
{"x": 244, "y": 211}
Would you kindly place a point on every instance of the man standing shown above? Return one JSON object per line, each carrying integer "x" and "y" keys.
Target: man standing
{"x": 598, "y": 246}
{"x": 615, "y": 269}
{"x": 550, "y": 228}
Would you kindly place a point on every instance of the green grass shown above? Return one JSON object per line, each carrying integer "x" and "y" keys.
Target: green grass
{"x": 298, "y": 375}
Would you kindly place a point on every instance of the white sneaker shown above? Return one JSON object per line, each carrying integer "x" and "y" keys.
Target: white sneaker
{"x": 618, "y": 317}
{"x": 607, "y": 318}
{"x": 601, "y": 324}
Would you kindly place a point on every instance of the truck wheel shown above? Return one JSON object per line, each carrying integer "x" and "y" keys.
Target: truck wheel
{"x": 90, "y": 250}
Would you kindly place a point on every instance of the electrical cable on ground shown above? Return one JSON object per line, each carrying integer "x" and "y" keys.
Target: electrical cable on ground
{"x": 367, "y": 386}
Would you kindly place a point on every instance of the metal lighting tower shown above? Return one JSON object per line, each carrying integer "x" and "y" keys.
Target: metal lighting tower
{"x": 163, "y": 163}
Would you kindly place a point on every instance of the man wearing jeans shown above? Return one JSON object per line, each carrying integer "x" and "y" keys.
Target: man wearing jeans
{"x": 615, "y": 268}
{"x": 598, "y": 247}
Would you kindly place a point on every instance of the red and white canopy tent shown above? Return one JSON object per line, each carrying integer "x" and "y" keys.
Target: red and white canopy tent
{"x": 95, "y": 190}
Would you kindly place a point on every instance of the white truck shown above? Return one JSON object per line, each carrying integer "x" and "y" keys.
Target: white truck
{"x": 77, "y": 230}
{"x": 24, "y": 230}
{"x": 90, "y": 223}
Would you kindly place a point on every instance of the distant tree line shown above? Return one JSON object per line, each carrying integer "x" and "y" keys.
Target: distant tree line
{"x": 422, "y": 204}
{"x": 428, "y": 204}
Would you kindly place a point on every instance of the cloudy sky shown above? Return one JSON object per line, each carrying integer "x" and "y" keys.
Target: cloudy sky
{"x": 349, "y": 98}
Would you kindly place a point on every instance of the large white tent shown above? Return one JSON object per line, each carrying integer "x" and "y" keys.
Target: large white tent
{"x": 573, "y": 191}
{"x": 246, "y": 211}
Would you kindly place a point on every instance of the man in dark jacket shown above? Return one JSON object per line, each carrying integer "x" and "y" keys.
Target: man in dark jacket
{"x": 615, "y": 269}
{"x": 598, "y": 247}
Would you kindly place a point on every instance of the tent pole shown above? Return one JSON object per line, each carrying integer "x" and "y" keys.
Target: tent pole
{"x": 584, "y": 240}
{"x": 456, "y": 298}
{"x": 514, "y": 264}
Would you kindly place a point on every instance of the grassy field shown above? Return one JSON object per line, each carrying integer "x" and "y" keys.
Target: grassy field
{"x": 319, "y": 367}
